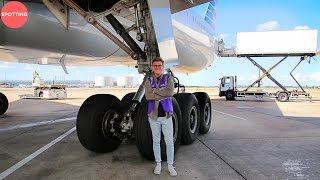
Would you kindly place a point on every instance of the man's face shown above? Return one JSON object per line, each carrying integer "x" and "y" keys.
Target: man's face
{"x": 157, "y": 68}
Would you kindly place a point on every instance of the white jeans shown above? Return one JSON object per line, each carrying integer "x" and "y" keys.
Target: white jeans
{"x": 164, "y": 124}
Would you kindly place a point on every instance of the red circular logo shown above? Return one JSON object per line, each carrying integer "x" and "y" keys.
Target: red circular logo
{"x": 14, "y": 14}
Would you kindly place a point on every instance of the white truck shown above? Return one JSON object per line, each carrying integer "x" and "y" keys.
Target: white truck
{"x": 43, "y": 91}
{"x": 50, "y": 91}
{"x": 228, "y": 88}
{"x": 54, "y": 91}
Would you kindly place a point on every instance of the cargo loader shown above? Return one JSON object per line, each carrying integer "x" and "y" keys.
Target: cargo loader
{"x": 284, "y": 44}
{"x": 228, "y": 88}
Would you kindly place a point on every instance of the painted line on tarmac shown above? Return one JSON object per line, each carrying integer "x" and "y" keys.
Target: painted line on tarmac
{"x": 33, "y": 155}
{"x": 229, "y": 115}
{"x": 37, "y": 124}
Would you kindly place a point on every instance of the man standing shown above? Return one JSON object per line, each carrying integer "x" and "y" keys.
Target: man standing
{"x": 159, "y": 91}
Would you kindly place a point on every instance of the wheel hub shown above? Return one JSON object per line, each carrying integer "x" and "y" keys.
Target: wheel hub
{"x": 193, "y": 119}
{"x": 109, "y": 123}
{"x": 207, "y": 114}
{"x": 175, "y": 127}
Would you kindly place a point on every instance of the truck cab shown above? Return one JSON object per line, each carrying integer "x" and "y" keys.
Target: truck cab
{"x": 227, "y": 87}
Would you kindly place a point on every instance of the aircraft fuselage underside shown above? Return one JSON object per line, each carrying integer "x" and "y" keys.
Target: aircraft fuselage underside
{"x": 44, "y": 40}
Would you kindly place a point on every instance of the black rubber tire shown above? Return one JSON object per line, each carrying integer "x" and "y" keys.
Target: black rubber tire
{"x": 143, "y": 134}
{"x": 205, "y": 111}
{"x": 90, "y": 122}
{"x": 283, "y": 97}
{"x": 189, "y": 107}
{"x": 230, "y": 96}
{"x": 4, "y": 104}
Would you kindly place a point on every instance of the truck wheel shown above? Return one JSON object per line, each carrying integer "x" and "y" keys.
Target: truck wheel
{"x": 96, "y": 116}
{"x": 3, "y": 104}
{"x": 283, "y": 97}
{"x": 190, "y": 116}
{"x": 143, "y": 134}
{"x": 205, "y": 111}
{"x": 230, "y": 95}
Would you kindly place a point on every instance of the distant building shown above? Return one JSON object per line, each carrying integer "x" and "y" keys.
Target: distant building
{"x": 125, "y": 81}
{"x": 104, "y": 81}
{"x": 121, "y": 81}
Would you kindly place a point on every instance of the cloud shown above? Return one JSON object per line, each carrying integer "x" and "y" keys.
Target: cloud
{"x": 78, "y": 73}
{"x": 223, "y": 35}
{"x": 28, "y": 67}
{"x": 301, "y": 27}
{"x": 58, "y": 70}
{"x": 285, "y": 78}
{"x": 6, "y": 65}
{"x": 315, "y": 76}
{"x": 268, "y": 26}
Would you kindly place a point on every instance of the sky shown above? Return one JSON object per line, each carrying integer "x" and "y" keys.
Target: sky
{"x": 232, "y": 16}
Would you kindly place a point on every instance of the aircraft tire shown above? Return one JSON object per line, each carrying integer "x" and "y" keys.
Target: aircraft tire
{"x": 143, "y": 134}
{"x": 93, "y": 122}
{"x": 4, "y": 104}
{"x": 205, "y": 111}
{"x": 190, "y": 117}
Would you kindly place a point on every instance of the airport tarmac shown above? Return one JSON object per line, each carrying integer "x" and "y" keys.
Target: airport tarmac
{"x": 248, "y": 139}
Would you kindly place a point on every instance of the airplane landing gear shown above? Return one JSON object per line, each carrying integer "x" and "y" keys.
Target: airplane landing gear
{"x": 104, "y": 121}
{"x": 3, "y": 103}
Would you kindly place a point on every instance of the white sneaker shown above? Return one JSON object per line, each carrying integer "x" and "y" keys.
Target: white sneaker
{"x": 157, "y": 169}
{"x": 172, "y": 171}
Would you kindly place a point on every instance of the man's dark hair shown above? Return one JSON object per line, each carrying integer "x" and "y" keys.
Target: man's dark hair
{"x": 157, "y": 59}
